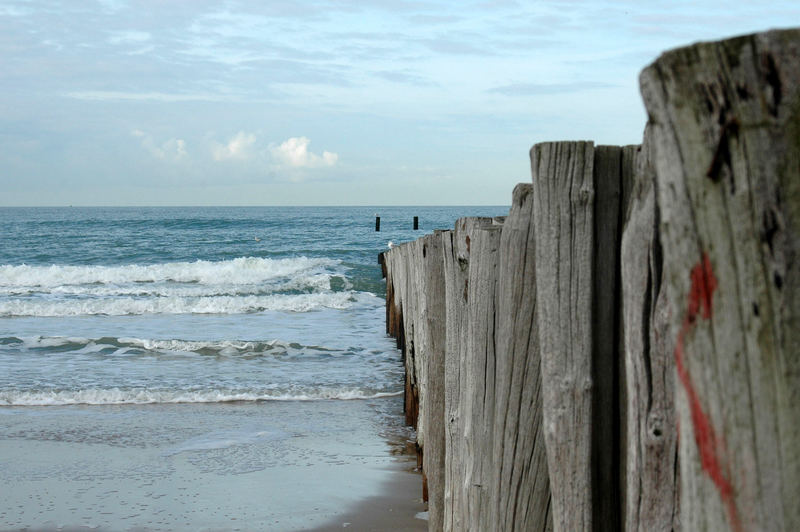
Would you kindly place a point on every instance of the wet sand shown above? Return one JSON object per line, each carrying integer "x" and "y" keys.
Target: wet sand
{"x": 396, "y": 507}
{"x": 215, "y": 467}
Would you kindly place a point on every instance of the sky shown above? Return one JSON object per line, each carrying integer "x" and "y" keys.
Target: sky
{"x": 323, "y": 102}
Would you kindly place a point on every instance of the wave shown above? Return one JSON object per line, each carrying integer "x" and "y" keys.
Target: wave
{"x": 198, "y": 347}
{"x": 310, "y": 282}
{"x": 240, "y": 271}
{"x": 183, "y": 305}
{"x": 141, "y": 396}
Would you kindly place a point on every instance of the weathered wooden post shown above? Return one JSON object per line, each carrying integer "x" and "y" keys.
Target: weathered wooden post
{"x": 563, "y": 195}
{"x": 725, "y": 118}
{"x": 458, "y": 362}
{"x": 576, "y": 191}
{"x": 649, "y": 428}
{"x": 416, "y": 223}
{"x": 429, "y": 257}
{"x": 377, "y": 223}
{"x": 515, "y": 468}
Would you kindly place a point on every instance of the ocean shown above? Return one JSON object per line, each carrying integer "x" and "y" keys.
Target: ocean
{"x": 197, "y": 368}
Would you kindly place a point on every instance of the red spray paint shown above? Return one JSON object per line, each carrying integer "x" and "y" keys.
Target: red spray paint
{"x": 708, "y": 444}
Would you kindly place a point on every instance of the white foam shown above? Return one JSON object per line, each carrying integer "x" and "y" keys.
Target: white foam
{"x": 117, "y": 396}
{"x": 243, "y": 270}
{"x": 184, "y": 305}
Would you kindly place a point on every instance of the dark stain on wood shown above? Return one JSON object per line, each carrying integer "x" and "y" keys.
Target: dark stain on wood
{"x": 773, "y": 80}
{"x": 722, "y": 154}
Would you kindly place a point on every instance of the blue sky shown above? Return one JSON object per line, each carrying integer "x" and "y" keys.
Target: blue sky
{"x": 323, "y": 102}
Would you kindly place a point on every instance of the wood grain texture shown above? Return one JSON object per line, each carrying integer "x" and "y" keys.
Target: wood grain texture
{"x": 458, "y": 245}
{"x": 649, "y": 463}
{"x": 519, "y": 477}
{"x": 563, "y": 197}
{"x": 478, "y": 371}
{"x": 430, "y": 258}
{"x": 726, "y": 130}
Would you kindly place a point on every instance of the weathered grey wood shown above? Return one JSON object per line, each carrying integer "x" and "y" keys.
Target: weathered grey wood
{"x": 455, "y": 309}
{"x": 563, "y": 196}
{"x": 649, "y": 433}
{"x": 458, "y": 362}
{"x": 519, "y": 490}
{"x": 429, "y": 256}
{"x": 478, "y": 371}
{"x": 727, "y": 134}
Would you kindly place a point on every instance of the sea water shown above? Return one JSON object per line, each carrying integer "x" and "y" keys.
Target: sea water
{"x": 196, "y": 368}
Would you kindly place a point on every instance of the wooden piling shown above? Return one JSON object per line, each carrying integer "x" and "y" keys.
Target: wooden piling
{"x": 563, "y": 195}
{"x": 516, "y": 467}
{"x": 648, "y": 432}
{"x": 457, "y": 264}
{"x": 416, "y": 223}
{"x": 725, "y": 118}
{"x": 552, "y": 356}
{"x": 377, "y": 223}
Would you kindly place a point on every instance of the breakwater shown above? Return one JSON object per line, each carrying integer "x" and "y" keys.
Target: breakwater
{"x": 622, "y": 351}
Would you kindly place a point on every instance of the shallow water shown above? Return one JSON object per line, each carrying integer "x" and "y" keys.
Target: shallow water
{"x": 284, "y": 465}
{"x": 188, "y": 368}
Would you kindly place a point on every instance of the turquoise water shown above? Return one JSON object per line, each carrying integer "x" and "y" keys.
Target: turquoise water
{"x": 199, "y": 334}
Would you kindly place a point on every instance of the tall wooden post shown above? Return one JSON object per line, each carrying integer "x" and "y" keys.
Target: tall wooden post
{"x": 519, "y": 483}
{"x": 649, "y": 430}
{"x": 726, "y": 125}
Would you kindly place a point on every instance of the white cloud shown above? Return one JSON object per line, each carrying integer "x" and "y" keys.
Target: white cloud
{"x": 294, "y": 153}
{"x": 170, "y": 150}
{"x": 239, "y": 147}
{"x": 129, "y": 37}
{"x": 122, "y": 96}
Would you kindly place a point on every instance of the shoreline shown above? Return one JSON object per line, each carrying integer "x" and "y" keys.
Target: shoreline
{"x": 268, "y": 466}
{"x": 395, "y": 506}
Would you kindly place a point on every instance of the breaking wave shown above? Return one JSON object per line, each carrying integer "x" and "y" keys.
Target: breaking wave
{"x": 117, "y": 396}
{"x": 237, "y": 286}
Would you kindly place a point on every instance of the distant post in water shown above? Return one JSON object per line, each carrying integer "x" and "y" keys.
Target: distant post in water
{"x": 416, "y": 223}
{"x": 377, "y": 223}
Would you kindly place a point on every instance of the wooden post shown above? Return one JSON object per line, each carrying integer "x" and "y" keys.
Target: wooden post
{"x": 431, "y": 262}
{"x": 377, "y": 223}
{"x": 563, "y": 195}
{"x": 726, "y": 125}
{"x": 416, "y": 223}
{"x": 649, "y": 428}
{"x": 458, "y": 267}
{"x": 515, "y": 467}
{"x": 576, "y": 190}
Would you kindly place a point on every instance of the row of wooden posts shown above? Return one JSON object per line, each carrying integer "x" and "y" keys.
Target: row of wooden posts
{"x": 622, "y": 351}
{"x": 378, "y": 223}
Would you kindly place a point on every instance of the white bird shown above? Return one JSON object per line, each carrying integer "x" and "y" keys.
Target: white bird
{"x": 257, "y": 239}
{"x": 391, "y": 244}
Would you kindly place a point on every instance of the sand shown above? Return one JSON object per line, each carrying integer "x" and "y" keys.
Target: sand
{"x": 216, "y": 467}
{"x": 396, "y": 507}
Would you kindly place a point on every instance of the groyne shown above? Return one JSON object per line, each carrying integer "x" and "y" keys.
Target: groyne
{"x": 622, "y": 351}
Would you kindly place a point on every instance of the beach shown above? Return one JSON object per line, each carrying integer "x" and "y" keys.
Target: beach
{"x": 203, "y": 369}
{"x": 259, "y": 466}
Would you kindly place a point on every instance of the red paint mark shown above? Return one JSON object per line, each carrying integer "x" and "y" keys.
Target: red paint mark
{"x": 703, "y": 285}
{"x": 708, "y": 444}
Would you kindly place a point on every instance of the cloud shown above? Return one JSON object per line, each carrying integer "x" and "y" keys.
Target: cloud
{"x": 129, "y": 37}
{"x": 122, "y": 96}
{"x": 239, "y": 147}
{"x": 294, "y": 153}
{"x": 403, "y": 76}
{"x": 171, "y": 150}
{"x": 536, "y": 89}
